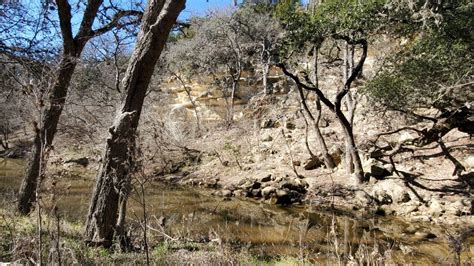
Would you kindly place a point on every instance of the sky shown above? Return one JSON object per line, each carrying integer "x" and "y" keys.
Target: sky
{"x": 200, "y": 7}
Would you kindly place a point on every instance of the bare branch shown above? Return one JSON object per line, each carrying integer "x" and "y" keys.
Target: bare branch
{"x": 115, "y": 22}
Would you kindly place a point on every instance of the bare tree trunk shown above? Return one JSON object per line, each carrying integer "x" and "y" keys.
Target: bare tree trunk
{"x": 354, "y": 165}
{"x": 306, "y": 129}
{"x": 117, "y": 163}
{"x": 72, "y": 49}
{"x": 328, "y": 160}
{"x": 336, "y": 106}
{"x": 348, "y": 101}
{"x": 188, "y": 92}
{"x": 27, "y": 191}
{"x": 235, "y": 87}
{"x": 265, "y": 66}
{"x": 45, "y": 133}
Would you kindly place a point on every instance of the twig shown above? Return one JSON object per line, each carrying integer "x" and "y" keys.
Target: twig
{"x": 289, "y": 151}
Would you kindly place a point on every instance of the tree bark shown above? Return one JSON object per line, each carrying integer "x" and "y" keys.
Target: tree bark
{"x": 72, "y": 49}
{"x": 44, "y": 135}
{"x": 265, "y": 66}
{"x": 348, "y": 102}
{"x": 117, "y": 165}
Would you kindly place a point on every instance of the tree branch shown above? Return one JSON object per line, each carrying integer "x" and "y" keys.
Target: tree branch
{"x": 64, "y": 13}
{"x": 114, "y": 23}
{"x": 356, "y": 70}
{"x": 320, "y": 94}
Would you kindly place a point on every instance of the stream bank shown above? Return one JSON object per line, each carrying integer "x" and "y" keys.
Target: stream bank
{"x": 257, "y": 228}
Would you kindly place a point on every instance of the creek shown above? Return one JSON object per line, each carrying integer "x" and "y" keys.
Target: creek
{"x": 265, "y": 230}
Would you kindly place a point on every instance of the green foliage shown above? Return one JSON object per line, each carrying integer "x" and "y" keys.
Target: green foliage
{"x": 430, "y": 70}
{"x": 349, "y": 16}
{"x": 161, "y": 250}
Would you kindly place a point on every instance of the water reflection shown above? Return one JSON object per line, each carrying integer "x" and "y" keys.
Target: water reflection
{"x": 266, "y": 230}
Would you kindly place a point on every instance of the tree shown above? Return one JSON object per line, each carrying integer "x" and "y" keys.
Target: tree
{"x": 72, "y": 47}
{"x": 113, "y": 181}
{"x": 335, "y": 21}
{"x": 260, "y": 30}
{"x": 433, "y": 71}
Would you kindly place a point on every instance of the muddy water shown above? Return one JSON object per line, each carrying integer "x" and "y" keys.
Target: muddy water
{"x": 265, "y": 230}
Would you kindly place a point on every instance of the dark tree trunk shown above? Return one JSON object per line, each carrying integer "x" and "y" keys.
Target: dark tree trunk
{"x": 113, "y": 180}
{"x": 27, "y": 193}
{"x": 336, "y": 106}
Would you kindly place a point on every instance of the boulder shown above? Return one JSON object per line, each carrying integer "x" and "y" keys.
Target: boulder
{"x": 226, "y": 193}
{"x": 83, "y": 161}
{"x": 267, "y": 138}
{"x": 390, "y": 190}
{"x": 336, "y": 154}
{"x": 268, "y": 191}
{"x": 379, "y": 171}
{"x": 435, "y": 209}
{"x": 266, "y": 178}
{"x": 256, "y": 193}
{"x": 469, "y": 162}
{"x": 239, "y": 193}
{"x": 375, "y": 153}
{"x": 313, "y": 163}
{"x": 290, "y": 125}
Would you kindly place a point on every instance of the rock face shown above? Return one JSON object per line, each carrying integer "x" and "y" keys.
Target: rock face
{"x": 282, "y": 190}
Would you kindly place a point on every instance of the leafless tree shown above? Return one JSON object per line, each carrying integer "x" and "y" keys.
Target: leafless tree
{"x": 113, "y": 181}
{"x": 72, "y": 47}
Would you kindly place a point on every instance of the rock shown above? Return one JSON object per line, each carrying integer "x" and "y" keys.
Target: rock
{"x": 389, "y": 168}
{"x": 83, "y": 161}
{"x": 372, "y": 180}
{"x": 256, "y": 185}
{"x": 290, "y": 125}
{"x": 257, "y": 193}
{"x": 336, "y": 154}
{"x": 420, "y": 218}
{"x": 435, "y": 209}
{"x": 390, "y": 189}
{"x": 469, "y": 162}
{"x": 270, "y": 123}
{"x": 313, "y": 163}
{"x": 247, "y": 185}
{"x": 226, "y": 193}
{"x": 281, "y": 193}
{"x": 239, "y": 193}
{"x": 361, "y": 198}
{"x": 266, "y": 192}
{"x": 425, "y": 236}
{"x": 375, "y": 153}
{"x": 327, "y": 131}
{"x": 407, "y": 208}
{"x": 296, "y": 163}
{"x": 378, "y": 171}
{"x": 405, "y": 136}
{"x": 267, "y": 138}
{"x": 266, "y": 178}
